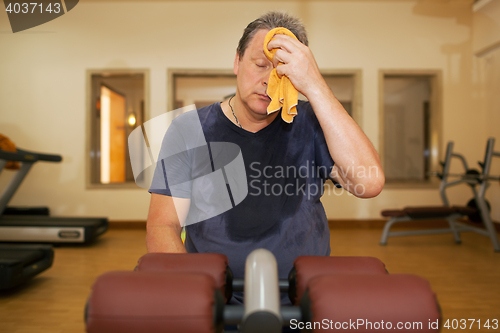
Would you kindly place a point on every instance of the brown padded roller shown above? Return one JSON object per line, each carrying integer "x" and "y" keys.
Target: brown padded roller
{"x": 393, "y": 299}
{"x": 393, "y": 213}
{"x": 308, "y": 267}
{"x": 136, "y": 302}
{"x": 429, "y": 212}
{"x": 213, "y": 264}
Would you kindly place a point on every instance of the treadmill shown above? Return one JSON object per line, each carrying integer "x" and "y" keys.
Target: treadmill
{"x": 41, "y": 228}
{"x": 21, "y": 262}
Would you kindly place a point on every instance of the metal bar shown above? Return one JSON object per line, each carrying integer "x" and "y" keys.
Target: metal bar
{"x": 462, "y": 158}
{"x": 451, "y": 222}
{"x": 446, "y": 169}
{"x": 238, "y": 284}
{"x": 233, "y": 314}
{"x": 470, "y": 176}
{"x": 290, "y": 312}
{"x": 22, "y": 155}
{"x": 466, "y": 176}
{"x": 388, "y": 225}
{"x": 461, "y": 181}
{"x": 262, "y": 294}
{"x": 13, "y": 185}
{"x": 464, "y": 227}
{"x": 3, "y": 163}
{"x": 488, "y": 156}
{"x": 483, "y": 208}
{"x": 284, "y": 285}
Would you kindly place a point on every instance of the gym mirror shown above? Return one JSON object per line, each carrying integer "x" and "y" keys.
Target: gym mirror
{"x": 410, "y": 125}
{"x": 116, "y": 106}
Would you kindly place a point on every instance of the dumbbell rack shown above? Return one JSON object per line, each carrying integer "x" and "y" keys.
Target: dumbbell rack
{"x": 478, "y": 183}
{"x": 184, "y": 293}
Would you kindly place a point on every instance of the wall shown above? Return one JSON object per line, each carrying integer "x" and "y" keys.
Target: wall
{"x": 486, "y": 26}
{"x": 43, "y": 73}
{"x": 491, "y": 68}
{"x": 486, "y": 38}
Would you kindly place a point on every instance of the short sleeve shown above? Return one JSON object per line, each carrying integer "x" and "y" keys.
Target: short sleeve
{"x": 173, "y": 170}
{"x": 184, "y": 156}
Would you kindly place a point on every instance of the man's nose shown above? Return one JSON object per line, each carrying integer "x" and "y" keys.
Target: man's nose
{"x": 265, "y": 77}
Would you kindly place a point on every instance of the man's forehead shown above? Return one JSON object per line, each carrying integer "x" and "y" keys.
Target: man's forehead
{"x": 255, "y": 46}
{"x": 258, "y": 38}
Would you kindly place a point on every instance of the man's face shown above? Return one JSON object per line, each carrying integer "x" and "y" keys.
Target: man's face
{"x": 252, "y": 74}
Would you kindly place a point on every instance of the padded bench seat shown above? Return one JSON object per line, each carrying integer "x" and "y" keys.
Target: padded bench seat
{"x": 429, "y": 212}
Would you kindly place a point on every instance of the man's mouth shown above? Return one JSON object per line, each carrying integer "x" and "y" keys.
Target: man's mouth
{"x": 264, "y": 96}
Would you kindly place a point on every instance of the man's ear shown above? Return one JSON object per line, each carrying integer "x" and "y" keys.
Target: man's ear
{"x": 236, "y": 64}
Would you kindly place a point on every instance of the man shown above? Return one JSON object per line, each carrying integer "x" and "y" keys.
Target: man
{"x": 286, "y": 163}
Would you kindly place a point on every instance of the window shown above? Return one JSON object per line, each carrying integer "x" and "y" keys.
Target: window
{"x": 116, "y": 108}
{"x": 199, "y": 87}
{"x": 410, "y": 126}
{"x": 203, "y": 87}
{"x": 346, "y": 85}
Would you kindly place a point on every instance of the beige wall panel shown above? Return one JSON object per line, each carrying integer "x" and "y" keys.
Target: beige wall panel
{"x": 486, "y": 26}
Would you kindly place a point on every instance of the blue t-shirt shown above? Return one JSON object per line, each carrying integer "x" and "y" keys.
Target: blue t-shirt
{"x": 286, "y": 166}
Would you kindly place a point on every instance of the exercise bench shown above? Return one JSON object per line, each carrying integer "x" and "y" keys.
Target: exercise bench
{"x": 477, "y": 209}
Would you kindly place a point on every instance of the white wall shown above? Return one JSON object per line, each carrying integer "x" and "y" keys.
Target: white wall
{"x": 43, "y": 88}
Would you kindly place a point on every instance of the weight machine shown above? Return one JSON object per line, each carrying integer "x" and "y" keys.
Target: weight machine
{"x": 189, "y": 293}
{"x": 477, "y": 209}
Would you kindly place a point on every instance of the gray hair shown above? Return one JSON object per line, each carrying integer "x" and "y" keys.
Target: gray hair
{"x": 270, "y": 21}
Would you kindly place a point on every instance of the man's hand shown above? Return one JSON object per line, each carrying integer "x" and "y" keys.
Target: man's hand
{"x": 298, "y": 64}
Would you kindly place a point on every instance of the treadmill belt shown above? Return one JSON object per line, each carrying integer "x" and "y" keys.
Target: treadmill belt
{"x": 20, "y": 262}
{"x": 24, "y": 257}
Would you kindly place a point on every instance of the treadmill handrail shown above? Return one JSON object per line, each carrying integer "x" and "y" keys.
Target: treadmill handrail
{"x": 28, "y": 156}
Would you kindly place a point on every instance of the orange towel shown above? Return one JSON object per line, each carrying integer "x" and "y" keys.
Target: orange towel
{"x": 281, "y": 91}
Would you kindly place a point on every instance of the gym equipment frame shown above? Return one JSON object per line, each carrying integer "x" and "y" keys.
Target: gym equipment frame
{"x": 40, "y": 228}
{"x": 477, "y": 209}
{"x": 177, "y": 292}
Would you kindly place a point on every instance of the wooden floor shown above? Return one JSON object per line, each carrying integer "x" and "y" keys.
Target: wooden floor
{"x": 466, "y": 278}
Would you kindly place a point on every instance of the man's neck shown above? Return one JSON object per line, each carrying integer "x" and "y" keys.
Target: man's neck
{"x": 247, "y": 120}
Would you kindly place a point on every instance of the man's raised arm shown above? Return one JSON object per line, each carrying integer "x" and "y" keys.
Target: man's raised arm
{"x": 357, "y": 164}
